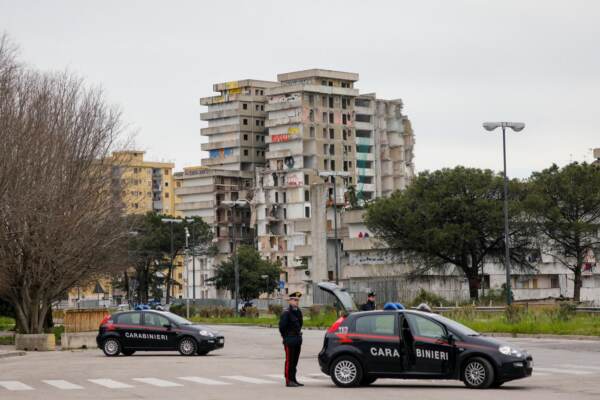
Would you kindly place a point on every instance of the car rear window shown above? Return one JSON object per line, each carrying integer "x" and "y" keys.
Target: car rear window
{"x": 382, "y": 324}
{"x": 128, "y": 319}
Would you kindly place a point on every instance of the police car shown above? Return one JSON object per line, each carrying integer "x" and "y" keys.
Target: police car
{"x": 406, "y": 344}
{"x": 149, "y": 330}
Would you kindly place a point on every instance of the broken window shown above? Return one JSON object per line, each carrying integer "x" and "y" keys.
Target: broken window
{"x": 330, "y": 101}
{"x": 333, "y": 165}
{"x": 245, "y": 106}
{"x": 311, "y": 115}
{"x": 344, "y": 120}
{"x": 324, "y": 117}
{"x": 331, "y": 133}
{"x": 331, "y": 118}
{"x": 311, "y": 100}
{"x": 245, "y": 121}
{"x": 312, "y": 131}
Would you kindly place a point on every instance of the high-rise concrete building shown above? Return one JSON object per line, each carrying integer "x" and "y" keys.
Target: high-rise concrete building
{"x": 236, "y": 125}
{"x": 212, "y": 195}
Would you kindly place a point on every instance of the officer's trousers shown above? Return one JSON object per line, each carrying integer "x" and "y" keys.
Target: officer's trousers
{"x": 292, "y": 354}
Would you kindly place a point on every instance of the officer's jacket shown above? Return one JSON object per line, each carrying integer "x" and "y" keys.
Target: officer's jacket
{"x": 290, "y": 322}
{"x": 368, "y": 306}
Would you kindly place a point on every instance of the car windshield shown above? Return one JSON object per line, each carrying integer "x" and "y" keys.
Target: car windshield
{"x": 177, "y": 319}
{"x": 456, "y": 327}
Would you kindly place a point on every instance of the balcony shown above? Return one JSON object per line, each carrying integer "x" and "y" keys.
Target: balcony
{"x": 283, "y": 121}
{"x": 363, "y": 141}
{"x": 283, "y": 105}
{"x": 366, "y": 126}
{"x": 342, "y": 232}
{"x": 362, "y": 244}
{"x": 194, "y": 205}
{"x": 220, "y": 145}
{"x": 215, "y": 130}
{"x": 363, "y": 110}
{"x": 220, "y": 160}
{"x": 182, "y": 191}
{"x": 353, "y": 217}
{"x": 210, "y": 115}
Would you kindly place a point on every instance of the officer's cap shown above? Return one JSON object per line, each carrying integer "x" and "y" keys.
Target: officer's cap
{"x": 295, "y": 295}
{"x": 371, "y": 293}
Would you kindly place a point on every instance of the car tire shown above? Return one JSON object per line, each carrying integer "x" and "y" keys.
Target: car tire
{"x": 128, "y": 352}
{"x": 478, "y": 373}
{"x": 111, "y": 347}
{"x": 346, "y": 371}
{"x": 367, "y": 380}
{"x": 187, "y": 346}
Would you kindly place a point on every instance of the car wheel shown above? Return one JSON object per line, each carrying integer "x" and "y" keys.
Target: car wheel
{"x": 111, "y": 347}
{"x": 187, "y": 346}
{"x": 367, "y": 380}
{"x": 346, "y": 371}
{"x": 478, "y": 373}
{"x": 127, "y": 352}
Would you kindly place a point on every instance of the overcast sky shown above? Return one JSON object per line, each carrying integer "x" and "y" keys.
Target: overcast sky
{"x": 454, "y": 63}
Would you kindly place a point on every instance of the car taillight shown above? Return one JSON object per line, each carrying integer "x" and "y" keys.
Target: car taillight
{"x": 108, "y": 323}
{"x": 333, "y": 328}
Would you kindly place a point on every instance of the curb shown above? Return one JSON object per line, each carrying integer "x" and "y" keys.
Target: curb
{"x": 12, "y": 354}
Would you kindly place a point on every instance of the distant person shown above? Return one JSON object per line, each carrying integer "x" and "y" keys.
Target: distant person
{"x": 290, "y": 328}
{"x": 370, "y": 304}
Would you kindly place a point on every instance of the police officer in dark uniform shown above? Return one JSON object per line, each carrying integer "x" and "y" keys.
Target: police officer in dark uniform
{"x": 290, "y": 327}
{"x": 370, "y": 304}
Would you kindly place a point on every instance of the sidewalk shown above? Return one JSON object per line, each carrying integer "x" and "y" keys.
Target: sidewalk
{"x": 9, "y": 351}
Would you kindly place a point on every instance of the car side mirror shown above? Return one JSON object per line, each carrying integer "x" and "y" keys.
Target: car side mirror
{"x": 449, "y": 338}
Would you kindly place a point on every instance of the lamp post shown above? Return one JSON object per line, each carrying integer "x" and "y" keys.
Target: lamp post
{"x": 170, "y": 221}
{"x": 333, "y": 174}
{"x": 190, "y": 220}
{"x": 233, "y": 205}
{"x": 517, "y": 127}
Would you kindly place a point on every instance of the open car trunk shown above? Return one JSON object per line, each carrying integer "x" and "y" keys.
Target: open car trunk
{"x": 342, "y": 296}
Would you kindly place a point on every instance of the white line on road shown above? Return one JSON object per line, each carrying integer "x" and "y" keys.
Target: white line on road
{"x": 203, "y": 381}
{"x": 301, "y": 379}
{"x": 247, "y": 379}
{"x": 590, "y": 367}
{"x": 157, "y": 382}
{"x": 109, "y": 383}
{"x": 15, "y": 385}
{"x": 562, "y": 371}
{"x": 60, "y": 384}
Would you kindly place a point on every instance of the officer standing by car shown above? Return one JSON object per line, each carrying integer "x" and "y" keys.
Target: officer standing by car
{"x": 290, "y": 327}
{"x": 370, "y": 304}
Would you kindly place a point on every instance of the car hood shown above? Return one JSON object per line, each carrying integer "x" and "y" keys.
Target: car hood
{"x": 200, "y": 328}
{"x": 487, "y": 341}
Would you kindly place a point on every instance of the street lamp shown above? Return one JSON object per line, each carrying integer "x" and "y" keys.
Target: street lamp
{"x": 232, "y": 205}
{"x": 333, "y": 174}
{"x": 517, "y": 127}
{"x": 170, "y": 221}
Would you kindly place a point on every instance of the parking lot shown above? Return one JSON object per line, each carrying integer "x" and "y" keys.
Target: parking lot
{"x": 251, "y": 365}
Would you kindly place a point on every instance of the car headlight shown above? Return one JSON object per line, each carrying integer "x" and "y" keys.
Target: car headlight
{"x": 206, "y": 333}
{"x": 509, "y": 351}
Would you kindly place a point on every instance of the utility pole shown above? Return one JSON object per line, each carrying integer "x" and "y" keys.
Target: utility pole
{"x": 171, "y": 221}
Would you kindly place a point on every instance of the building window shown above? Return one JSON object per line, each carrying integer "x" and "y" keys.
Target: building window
{"x": 331, "y": 133}
{"x": 284, "y": 197}
{"x": 325, "y": 164}
{"x": 258, "y": 138}
{"x": 166, "y": 195}
{"x": 333, "y": 165}
{"x": 285, "y": 229}
{"x": 345, "y": 165}
{"x": 324, "y": 117}
{"x": 245, "y": 137}
{"x": 331, "y": 118}
{"x": 245, "y": 121}
{"x": 344, "y": 120}
{"x": 332, "y": 149}
{"x": 312, "y": 131}
{"x": 276, "y": 196}
{"x": 285, "y": 213}
{"x": 306, "y": 195}
{"x": 245, "y": 152}
{"x": 256, "y": 92}
{"x": 257, "y": 153}
{"x": 344, "y": 135}
{"x": 324, "y": 83}
{"x": 245, "y": 106}
{"x": 324, "y": 133}
{"x": 311, "y": 100}
{"x": 257, "y": 122}
{"x": 330, "y": 83}
{"x": 262, "y": 92}
{"x": 311, "y": 116}
{"x": 554, "y": 284}
{"x": 325, "y": 148}
{"x": 344, "y": 103}
{"x": 257, "y": 107}
{"x": 306, "y": 179}
{"x": 166, "y": 184}
{"x": 330, "y": 101}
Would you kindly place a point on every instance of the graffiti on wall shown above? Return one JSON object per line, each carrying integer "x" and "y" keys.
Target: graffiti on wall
{"x": 221, "y": 153}
{"x": 292, "y": 133}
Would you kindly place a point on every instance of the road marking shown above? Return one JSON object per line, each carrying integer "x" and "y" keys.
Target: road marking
{"x": 301, "y": 379}
{"x": 157, "y": 382}
{"x": 15, "y": 385}
{"x": 562, "y": 371}
{"x": 592, "y": 367}
{"x": 60, "y": 384}
{"x": 247, "y": 379}
{"x": 203, "y": 381}
{"x": 109, "y": 383}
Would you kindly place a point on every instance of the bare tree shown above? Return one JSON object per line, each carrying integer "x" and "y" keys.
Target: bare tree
{"x": 60, "y": 224}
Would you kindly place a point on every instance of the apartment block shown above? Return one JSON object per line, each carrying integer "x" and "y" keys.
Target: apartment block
{"x": 144, "y": 186}
{"x": 236, "y": 125}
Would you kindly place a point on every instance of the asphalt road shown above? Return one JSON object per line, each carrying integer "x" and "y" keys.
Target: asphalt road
{"x": 250, "y": 367}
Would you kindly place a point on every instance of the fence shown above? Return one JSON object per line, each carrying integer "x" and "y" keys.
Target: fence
{"x": 83, "y": 320}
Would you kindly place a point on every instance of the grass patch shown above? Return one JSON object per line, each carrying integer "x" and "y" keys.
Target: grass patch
{"x": 318, "y": 321}
{"x": 531, "y": 322}
{"x": 58, "y": 330}
{"x": 6, "y": 323}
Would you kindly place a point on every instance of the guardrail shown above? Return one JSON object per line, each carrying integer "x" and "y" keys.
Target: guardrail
{"x": 493, "y": 309}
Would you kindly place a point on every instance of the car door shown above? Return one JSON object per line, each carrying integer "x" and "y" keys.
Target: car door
{"x": 341, "y": 295}
{"x": 376, "y": 335}
{"x": 129, "y": 325}
{"x": 431, "y": 352}
{"x": 160, "y": 331}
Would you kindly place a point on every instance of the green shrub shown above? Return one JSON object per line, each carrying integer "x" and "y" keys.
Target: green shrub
{"x": 224, "y": 312}
{"x": 429, "y": 298}
{"x": 275, "y": 309}
{"x": 7, "y": 340}
{"x": 328, "y": 309}
{"x": 250, "y": 312}
{"x": 314, "y": 311}
{"x": 514, "y": 313}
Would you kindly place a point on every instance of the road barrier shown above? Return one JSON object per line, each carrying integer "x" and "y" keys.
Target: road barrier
{"x": 83, "y": 320}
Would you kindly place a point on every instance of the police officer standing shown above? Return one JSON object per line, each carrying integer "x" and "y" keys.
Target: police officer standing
{"x": 290, "y": 327}
{"x": 370, "y": 304}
